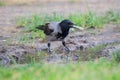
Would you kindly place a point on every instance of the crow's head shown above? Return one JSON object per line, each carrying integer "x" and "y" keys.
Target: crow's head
{"x": 66, "y": 24}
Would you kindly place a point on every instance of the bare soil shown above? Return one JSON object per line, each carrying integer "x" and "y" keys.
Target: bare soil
{"x": 76, "y": 41}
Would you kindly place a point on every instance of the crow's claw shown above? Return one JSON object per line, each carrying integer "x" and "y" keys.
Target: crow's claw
{"x": 50, "y": 51}
{"x": 67, "y": 49}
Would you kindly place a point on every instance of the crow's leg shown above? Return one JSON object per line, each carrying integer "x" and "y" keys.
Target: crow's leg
{"x": 49, "y": 48}
{"x": 66, "y": 48}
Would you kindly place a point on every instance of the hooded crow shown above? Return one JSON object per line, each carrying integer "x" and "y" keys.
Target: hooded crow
{"x": 57, "y": 31}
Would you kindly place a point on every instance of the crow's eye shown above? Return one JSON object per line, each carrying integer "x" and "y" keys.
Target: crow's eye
{"x": 70, "y": 23}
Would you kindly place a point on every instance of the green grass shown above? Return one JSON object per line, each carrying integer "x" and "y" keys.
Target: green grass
{"x": 83, "y": 20}
{"x": 92, "y": 70}
{"x": 73, "y": 1}
{"x": 33, "y": 58}
{"x": 2, "y": 3}
{"x": 91, "y": 53}
{"x": 116, "y": 56}
{"x": 112, "y": 17}
{"x": 87, "y": 20}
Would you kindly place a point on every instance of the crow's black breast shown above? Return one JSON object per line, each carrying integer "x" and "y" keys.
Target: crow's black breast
{"x": 61, "y": 36}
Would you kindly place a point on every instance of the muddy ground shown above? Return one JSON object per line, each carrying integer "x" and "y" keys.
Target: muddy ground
{"x": 76, "y": 41}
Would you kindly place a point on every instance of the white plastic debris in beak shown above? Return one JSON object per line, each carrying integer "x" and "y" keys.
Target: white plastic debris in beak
{"x": 78, "y": 27}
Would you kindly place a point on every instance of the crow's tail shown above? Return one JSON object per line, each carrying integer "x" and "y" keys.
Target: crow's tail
{"x": 40, "y": 27}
